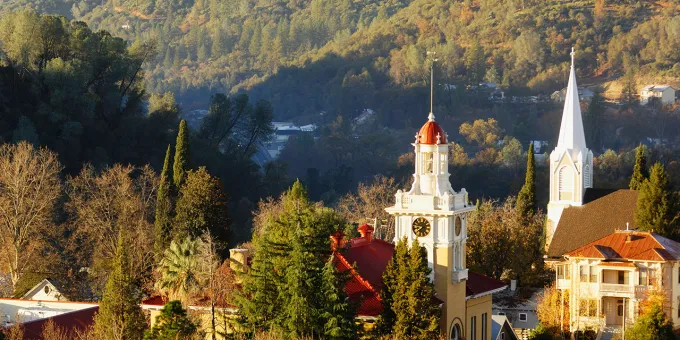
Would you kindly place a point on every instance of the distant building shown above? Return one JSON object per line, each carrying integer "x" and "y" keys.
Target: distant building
{"x": 519, "y": 306}
{"x": 584, "y": 94}
{"x": 662, "y": 93}
{"x": 282, "y": 132}
{"x": 72, "y": 317}
{"x": 366, "y": 116}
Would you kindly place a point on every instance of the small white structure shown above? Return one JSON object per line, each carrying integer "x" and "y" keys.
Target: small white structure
{"x": 282, "y": 132}
{"x": 663, "y": 93}
{"x": 45, "y": 290}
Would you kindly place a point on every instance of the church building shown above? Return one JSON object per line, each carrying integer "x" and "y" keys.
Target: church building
{"x": 434, "y": 213}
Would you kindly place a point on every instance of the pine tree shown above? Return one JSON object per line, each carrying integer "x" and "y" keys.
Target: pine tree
{"x": 657, "y": 204}
{"x": 181, "y": 163}
{"x": 259, "y": 301}
{"x": 407, "y": 295}
{"x": 120, "y": 316}
{"x": 336, "y": 309}
{"x": 526, "y": 199}
{"x": 172, "y": 323}
{"x": 640, "y": 172}
{"x": 426, "y": 314}
{"x": 388, "y": 317}
{"x": 162, "y": 222}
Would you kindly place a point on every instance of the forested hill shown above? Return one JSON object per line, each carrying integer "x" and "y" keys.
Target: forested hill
{"x": 342, "y": 56}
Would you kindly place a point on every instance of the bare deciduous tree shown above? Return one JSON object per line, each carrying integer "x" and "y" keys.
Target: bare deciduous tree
{"x": 29, "y": 188}
{"x": 101, "y": 204}
{"x": 369, "y": 203}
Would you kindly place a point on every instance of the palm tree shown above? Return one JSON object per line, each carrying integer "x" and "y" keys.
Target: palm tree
{"x": 180, "y": 269}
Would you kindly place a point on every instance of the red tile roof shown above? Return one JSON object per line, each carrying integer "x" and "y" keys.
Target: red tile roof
{"x": 429, "y": 132}
{"x": 644, "y": 246}
{"x": 71, "y": 323}
{"x": 371, "y": 259}
{"x": 479, "y": 285}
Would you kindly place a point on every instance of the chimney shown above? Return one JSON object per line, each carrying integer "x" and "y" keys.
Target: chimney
{"x": 337, "y": 240}
{"x": 366, "y": 232}
{"x": 238, "y": 259}
{"x": 513, "y": 285}
{"x": 629, "y": 238}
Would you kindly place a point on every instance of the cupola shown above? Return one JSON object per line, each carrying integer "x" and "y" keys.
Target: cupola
{"x": 431, "y": 132}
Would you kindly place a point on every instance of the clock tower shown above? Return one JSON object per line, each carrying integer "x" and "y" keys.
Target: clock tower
{"x": 436, "y": 215}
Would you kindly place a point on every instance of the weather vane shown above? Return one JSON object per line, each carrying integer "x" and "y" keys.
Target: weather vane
{"x": 432, "y": 56}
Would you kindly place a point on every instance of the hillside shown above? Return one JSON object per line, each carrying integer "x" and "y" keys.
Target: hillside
{"x": 315, "y": 55}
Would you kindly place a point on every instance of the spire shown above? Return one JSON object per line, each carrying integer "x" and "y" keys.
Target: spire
{"x": 571, "y": 130}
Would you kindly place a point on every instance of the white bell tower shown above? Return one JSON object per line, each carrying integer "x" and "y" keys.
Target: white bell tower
{"x": 571, "y": 163}
{"x": 436, "y": 215}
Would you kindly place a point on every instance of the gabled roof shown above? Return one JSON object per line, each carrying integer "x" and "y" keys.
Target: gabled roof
{"x": 659, "y": 88}
{"x": 497, "y": 324}
{"x": 630, "y": 245}
{"x": 54, "y": 285}
{"x": 478, "y": 285}
{"x": 594, "y": 220}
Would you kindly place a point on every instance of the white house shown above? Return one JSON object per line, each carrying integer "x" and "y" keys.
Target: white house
{"x": 663, "y": 93}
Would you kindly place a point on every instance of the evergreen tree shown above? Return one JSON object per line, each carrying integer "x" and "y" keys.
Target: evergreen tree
{"x": 259, "y": 301}
{"x": 336, "y": 309}
{"x": 407, "y": 295}
{"x": 202, "y": 206}
{"x": 162, "y": 222}
{"x": 172, "y": 323}
{"x": 388, "y": 317}
{"x": 181, "y": 163}
{"x": 640, "y": 172}
{"x": 657, "y": 204}
{"x": 475, "y": 63}
{"x": 526, "y": 199}
{"x": 120, "y": 316}
{"x": 426, "y": 314}
{"x": 629, "y": 91}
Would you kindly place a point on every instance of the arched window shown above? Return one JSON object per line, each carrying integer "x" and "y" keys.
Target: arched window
{"x": 587, "y": 176}
{"x": 427, "y": 163}
{"x": 455, "y": 257}
{"x": 565, "y": 182}
{"x": 456, "y": 332}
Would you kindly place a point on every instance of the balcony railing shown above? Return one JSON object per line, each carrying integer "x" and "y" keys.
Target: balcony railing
{"x": 616, "y": 288}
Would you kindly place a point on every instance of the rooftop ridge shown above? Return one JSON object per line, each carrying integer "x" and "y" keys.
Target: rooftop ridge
{"x": 356, "y": 274}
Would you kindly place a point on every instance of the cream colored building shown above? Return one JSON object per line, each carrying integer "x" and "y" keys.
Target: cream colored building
{"x": 608, "y": 278}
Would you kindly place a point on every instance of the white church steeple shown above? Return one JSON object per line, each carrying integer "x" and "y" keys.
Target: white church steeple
{"x": 572, "y": 136}
{"x": 571, "y": 163}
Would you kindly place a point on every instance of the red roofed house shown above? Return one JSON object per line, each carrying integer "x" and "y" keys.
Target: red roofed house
{"x": 437, "y": 215}
{"x": 609, "y": 277}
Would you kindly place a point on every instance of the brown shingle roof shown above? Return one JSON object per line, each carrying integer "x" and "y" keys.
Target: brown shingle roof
{"x": 642, "y": 246}
{"x": 579, "y": 226}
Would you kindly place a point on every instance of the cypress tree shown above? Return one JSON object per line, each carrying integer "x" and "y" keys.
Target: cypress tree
{"x": 162, "y": 222}
{"x": 426, "y": 314}
{"x": 640, "y": 172}
{"x": 526, "y": 199}
{"x": 657, "y": 204}
{"x": 181, "y": 163}
{"x": 120, "y": 316}
{"x": 337, "y": 311}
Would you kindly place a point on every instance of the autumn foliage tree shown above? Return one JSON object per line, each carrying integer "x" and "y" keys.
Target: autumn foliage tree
{"x": 29, "y": 189}
{"x": 552, "y": 310}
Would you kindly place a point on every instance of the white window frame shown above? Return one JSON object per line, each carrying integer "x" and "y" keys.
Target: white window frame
{"x": 525, "y": 317}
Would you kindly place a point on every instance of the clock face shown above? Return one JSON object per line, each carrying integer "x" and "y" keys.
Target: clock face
{"x": 421, "y": 227}
{"x": 458, "y": 225}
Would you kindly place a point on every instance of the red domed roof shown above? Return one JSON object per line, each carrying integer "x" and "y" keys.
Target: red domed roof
{"x": 429, "y": 132}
